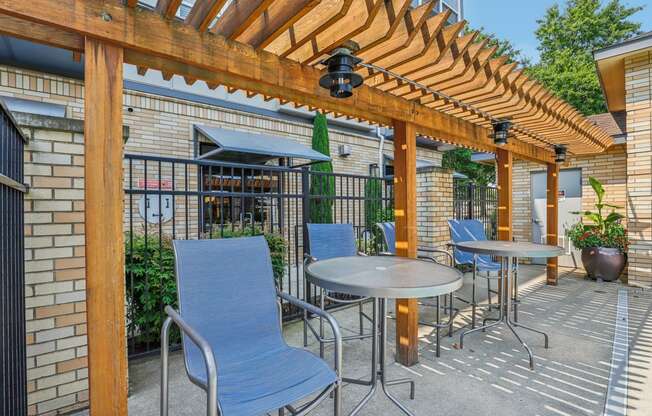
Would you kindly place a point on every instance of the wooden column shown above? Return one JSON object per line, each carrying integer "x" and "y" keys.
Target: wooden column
{"x": 552, "y": 220}
{"x": 105, "y": 288}
{"x": 504, "y": 175}
{"x": 405, "y": 212}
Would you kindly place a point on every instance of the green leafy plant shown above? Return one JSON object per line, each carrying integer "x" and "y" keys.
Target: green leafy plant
{"x": 151, "y": 282}
{"x": 374, "y": 213}
{"x": 601, "y": 230}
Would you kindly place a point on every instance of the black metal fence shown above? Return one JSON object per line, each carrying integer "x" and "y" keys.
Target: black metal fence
{"x": 168, "y": 199}
{"x": 471, "y": 201}
{"x": 13, "y": 378}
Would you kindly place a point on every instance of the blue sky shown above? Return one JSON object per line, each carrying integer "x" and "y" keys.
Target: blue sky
{"x": 516, "y": 20}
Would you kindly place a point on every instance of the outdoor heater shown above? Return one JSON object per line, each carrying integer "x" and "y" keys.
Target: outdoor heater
{"x": 501, "y": 131}
{"x": 560, "y": 153}
{"x": 340, "y": 78}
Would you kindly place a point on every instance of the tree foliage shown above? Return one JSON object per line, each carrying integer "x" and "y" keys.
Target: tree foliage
{"x": 567, "y": 38}
{"x": 322, "y": 187}
{"x": 504, "y": 47}
{"x": 459, "y": 160}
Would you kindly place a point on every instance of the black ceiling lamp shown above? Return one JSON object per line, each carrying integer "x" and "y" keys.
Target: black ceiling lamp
{"x": 501, "y": 131}
{"x": 340, "y": 78}
{"x": 560, "y": 153}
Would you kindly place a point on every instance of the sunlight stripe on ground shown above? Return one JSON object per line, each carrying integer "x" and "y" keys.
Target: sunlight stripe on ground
{"x": 616, "y": 403}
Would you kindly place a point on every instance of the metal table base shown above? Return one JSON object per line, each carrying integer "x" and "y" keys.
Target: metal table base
{"x": 505, "y": 310}
{"x": 378, "y": 363}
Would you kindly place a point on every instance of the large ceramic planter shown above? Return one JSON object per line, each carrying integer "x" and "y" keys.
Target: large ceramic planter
{"x": 603, "y": 263}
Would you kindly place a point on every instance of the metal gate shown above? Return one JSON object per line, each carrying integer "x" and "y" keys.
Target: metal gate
{"x": 13, "y": 379}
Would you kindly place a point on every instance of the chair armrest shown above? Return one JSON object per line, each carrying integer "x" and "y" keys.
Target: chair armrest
{"x": 337, "y": 334}
{"x": 436, "y": 250}
{"x": 201, "y": 343}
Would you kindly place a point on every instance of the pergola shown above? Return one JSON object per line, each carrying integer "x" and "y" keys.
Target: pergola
{"x": 437, "y": 82}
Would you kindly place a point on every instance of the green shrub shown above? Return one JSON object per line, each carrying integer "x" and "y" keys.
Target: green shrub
{"x": 151, "y": 282}
{"x": 374, "y": 213}
{"x": 601, "y": 230}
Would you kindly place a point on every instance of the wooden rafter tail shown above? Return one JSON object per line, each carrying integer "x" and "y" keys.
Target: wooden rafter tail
{"x": 189, "y": 80}
{"x": 268, "y": 98}
{"x": 239, "y": 16}
{"x": 131, "y": 3}
{"x": 212, "y": 85}
{"x": 168, "y": 8}
{"x": 141, "y": 70}
{"x": 231, "y": 90}
{"x": 277, "y": 19}
{"x": 203, "y": 13}
{"x": 313, "y": 28}
{"x": 395, "y": 13}
{"x": 76, "y": 56}
{"x": 353, "y": 23}
{"x": 251, "y": 94}
{"x": 167, "y": 75}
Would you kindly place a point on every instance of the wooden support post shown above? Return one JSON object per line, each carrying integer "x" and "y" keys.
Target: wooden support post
{"x": 552, "y": 220}
{"x": 405, "y": 213}
{"x": 105, "y": 288}
{"x": 504, "y": 174}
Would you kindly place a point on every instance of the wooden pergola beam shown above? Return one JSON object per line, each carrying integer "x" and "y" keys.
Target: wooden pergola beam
{"x": 552, "y": 220}
{"x": 405, "y": 215}
{"x": 152, "y": 42}
{"x": 105, "y": 284}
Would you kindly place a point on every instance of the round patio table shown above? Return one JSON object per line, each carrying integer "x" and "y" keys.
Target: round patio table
{"x": 509, "y": 252}
{"x": 382, "y": 278}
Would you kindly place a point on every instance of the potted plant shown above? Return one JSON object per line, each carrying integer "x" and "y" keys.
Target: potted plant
{"x": 603, "y": 240}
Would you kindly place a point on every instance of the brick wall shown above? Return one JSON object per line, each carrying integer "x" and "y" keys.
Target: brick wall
{"x": 609, "y": 167}
{"x": 55, "y": 275}
{"x": 434, "y": 206}
{"x": 638, "y": 89}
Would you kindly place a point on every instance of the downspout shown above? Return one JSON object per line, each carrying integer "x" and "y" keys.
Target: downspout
{"x": 381, "y": 157}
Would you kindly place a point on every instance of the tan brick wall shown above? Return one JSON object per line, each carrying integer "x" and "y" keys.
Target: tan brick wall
{"x": 55, "y": 275}
{"x": 434, "y": 206}
{"x": 638, "y": 88}
{"x": 609, "y": 167}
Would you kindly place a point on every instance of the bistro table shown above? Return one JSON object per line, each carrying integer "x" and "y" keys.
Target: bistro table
{"x": 382, "y": 278}
{"x": 509, "y": 252}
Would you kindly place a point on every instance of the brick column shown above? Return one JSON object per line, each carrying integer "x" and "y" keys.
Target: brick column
{"x": 638, "y": 86}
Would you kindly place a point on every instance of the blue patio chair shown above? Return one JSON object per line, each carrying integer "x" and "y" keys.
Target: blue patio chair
{"x": 388, "y": 230}
{"x": 327, "y": 241}
{"x": 233, "y": 346}
{"x": 473, "y": 230}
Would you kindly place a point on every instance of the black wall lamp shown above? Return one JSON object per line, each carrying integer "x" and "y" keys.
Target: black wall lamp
{"x": 560, "y": 153}
{"x": 501, "y": 131}
{"x": 340, "y": 78}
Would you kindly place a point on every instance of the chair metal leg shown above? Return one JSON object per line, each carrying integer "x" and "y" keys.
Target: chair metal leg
{"x": 321, "y": 323}
{"x": 281, "y": 411}
{"x": 437, "y": 329}
{"x": 473, "y": 297}
{"x": 165, "y": 340}
{"x": 450, "y": 313}
{"x": 361, "y": 316}
{"x": 515, "y": 297}
{"x": 305, "y": 313}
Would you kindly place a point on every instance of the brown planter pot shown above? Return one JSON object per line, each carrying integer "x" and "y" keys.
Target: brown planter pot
{"x": 603, "y": 263}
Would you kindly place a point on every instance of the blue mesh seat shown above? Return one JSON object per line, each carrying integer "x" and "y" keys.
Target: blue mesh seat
{"x": 327, "y": 241}
{"x": 233, "y": 344}
{"x": 389, "y": 235}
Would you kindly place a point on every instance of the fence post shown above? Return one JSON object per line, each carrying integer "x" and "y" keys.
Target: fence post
{"x": 469, "y": 195}
{"x": 305, "y": 217}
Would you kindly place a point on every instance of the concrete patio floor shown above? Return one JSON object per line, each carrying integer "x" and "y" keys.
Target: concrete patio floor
{"x": 585, "y": 367}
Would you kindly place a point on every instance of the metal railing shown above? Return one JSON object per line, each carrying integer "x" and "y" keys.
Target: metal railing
{"x": 471, "y": 201}
{"x": 167, "y": 199}
{"x": 13, "y": 393}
